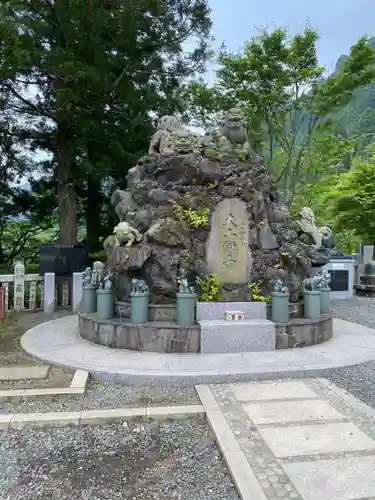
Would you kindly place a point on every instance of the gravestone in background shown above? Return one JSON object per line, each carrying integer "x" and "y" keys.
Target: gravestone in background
{"x": 228, "y": 252}
{"x": 62, "y": 260}
{"x": 339, "y": 280}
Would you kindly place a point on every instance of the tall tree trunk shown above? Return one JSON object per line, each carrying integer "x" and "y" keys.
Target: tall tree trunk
{"x": 66, "y": 194}
{"x": 93, "y": 214}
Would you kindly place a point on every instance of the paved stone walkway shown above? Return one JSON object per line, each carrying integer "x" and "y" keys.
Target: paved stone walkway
{"x": 57, "y": 342}
{"x": 303, "y": 440}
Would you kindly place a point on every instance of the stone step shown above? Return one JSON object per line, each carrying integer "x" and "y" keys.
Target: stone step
{"x": 249, "y": 335}
{"x": 217, "y": 310}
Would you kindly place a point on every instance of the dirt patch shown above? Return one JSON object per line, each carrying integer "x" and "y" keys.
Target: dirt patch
{"x": 12, "y": 354}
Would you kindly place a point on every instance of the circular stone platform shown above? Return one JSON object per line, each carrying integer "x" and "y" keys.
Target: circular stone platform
{"x": 57, "y": 342}
{"x": 168, "y": 337}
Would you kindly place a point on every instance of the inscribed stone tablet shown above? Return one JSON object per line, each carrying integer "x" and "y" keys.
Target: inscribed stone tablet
{"x": 228, "y": 252}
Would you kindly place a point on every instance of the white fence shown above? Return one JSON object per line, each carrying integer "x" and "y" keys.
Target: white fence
{"x": 31, "y": 292}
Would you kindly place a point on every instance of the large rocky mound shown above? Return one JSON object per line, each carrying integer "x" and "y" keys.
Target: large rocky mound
{"x": 182, "y": 175}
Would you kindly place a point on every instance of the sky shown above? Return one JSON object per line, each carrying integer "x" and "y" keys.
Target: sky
{"x": 339, "y": 22}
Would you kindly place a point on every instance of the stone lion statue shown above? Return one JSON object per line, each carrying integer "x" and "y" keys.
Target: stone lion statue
{"x": 172, "y": 138}
{"x": 280, "y": 287}
{"x": 233, "y": 126}
{"x": 310, "y": 284}
{"x": 307, "y": 226}
{"x": 126, "y": 234}
{"x": 324, "y": 278}
{"x": 232, "y": 133}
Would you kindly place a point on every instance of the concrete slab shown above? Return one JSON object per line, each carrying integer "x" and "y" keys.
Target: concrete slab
{"x": 48, "y": 394}
{"x": 207, "y": 398}
{"x": 110, "y": 416}
{"x": 23, "y": 372}
{"x": 100, "y": 417}
{"x": 250, "y": 335}
{"x": 272, "y": 390}
{"x": 5, "y": 419}
{"x": 175, "y": 412}
{"x": 216, "y": 310}
{"x": 224, "y": 436}
{"x": 312, "y": 439}
{"x": 290, "y": 411}
{"x": 37, "y": 420}
{"x": 80, "y": 379}
{"x": 342, "y": 479}
{"x": 243, "y": 476}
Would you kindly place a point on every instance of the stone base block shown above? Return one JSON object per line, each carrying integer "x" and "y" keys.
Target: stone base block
{"x": 156, "y": 312}
{"x": 367, "y": 280}
{"x": 295, "y": 310}
{"x": 251, "y": 335}
{"x": 365, "y": 290}
{"x": 302, "y": 332}
{"x": 215, "y": 311}
{"x": 154, "y": 336}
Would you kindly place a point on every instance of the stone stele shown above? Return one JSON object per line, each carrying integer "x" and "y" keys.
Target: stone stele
{"x": 228, "y": 252}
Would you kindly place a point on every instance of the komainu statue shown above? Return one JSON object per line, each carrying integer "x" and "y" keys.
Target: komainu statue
{"x": 307, "y": 226}
{"x": 126, "y": 234}
{"x": 233, "y": 129}
{"x": 171, "y": 138}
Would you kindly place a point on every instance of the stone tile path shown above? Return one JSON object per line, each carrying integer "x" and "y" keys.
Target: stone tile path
{"x": 290, "y": 439}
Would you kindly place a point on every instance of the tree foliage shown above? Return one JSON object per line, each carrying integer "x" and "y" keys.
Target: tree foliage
{"x": 351, "y": 200}
{"x": 82, "y": 81}
{"x": 280, "y": 86}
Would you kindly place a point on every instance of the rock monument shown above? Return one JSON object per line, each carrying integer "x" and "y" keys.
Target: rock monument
{"x": 209, "y": 206}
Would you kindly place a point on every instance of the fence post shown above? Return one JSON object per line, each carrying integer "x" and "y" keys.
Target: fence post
{"x": 6, "y": 298}
{"x": 65, "y": 293}
{"x": 19, "y": 286}
{"x": 77, "y": 291}
{"x": 32, "y": 296}
{"x": 49, "y": 293}
{"x": 2, "y": 303}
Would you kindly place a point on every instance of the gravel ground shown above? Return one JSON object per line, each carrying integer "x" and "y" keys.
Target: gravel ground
{"x": 174, "y": 461}
{"x": 100, "y": 395}
{"x": 357, "y": 309}
{"x": 358, "y": 380}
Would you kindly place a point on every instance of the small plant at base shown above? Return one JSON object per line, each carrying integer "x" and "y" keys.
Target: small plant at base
{"x": 98, "y": 256}
{"x": 195, "y": 219}
{"x": 211, "y": 288}
{"x": 256, "y": 292}
{"x": 285, "y": 254}
{"x": 242, "y": 156}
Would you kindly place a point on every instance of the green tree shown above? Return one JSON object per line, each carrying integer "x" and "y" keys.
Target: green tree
{"x": 351, "y": 200}
{"x": 83, "y": 79}
{"x": 280, "y": 85}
